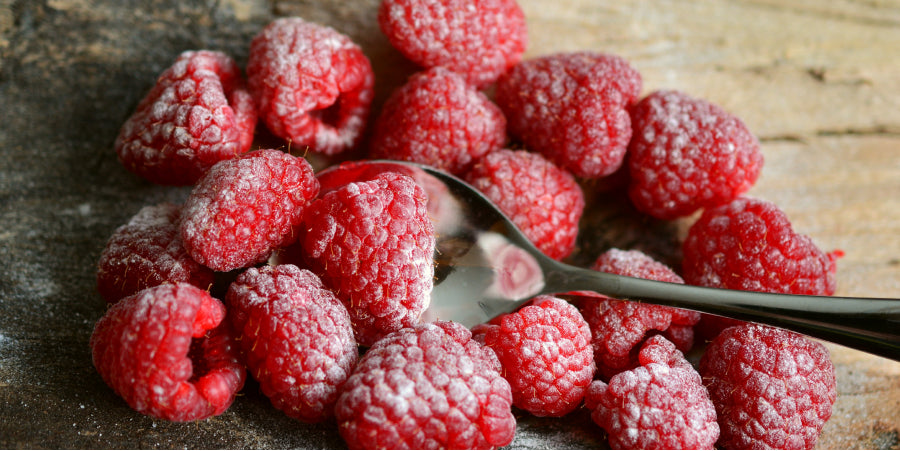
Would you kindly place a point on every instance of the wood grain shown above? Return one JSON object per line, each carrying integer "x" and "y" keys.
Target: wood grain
{"x": 818, "y": 84}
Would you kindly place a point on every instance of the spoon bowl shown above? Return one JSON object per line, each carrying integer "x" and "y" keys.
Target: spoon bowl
{"x": 485, "y": 266}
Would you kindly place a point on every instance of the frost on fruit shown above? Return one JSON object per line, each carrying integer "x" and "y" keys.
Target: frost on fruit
{"x": 373, "y": 244}
{"x": 479, "y": 40}
{"x": 313, "y": 85}
{"x": 296, "y": 338}
{"x": 245, "y": 208}
{"x": 198, "y": 113}
{"x": 146, "y": 348}
{"x": 145, "y": 252}
{"x": 426, "y": 387}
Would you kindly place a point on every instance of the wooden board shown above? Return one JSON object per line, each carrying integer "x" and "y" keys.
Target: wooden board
{"x": 816, "y": 81}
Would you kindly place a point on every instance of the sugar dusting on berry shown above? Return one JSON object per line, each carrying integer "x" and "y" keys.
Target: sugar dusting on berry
{"x": 426, "y": 387}
{"x": 373, "y": 244}
{"x": 314, "y": 86}
{"x": 479, "y": 40}
{"x": 245, "y": 208}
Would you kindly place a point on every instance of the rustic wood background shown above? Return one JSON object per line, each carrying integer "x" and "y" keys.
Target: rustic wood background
{"x": 816, "y": 81}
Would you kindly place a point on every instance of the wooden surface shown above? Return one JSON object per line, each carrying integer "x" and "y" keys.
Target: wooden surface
{"x": 818, "y": 82}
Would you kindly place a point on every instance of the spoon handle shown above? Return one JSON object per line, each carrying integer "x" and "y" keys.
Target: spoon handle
{"x": 867, "y": 324}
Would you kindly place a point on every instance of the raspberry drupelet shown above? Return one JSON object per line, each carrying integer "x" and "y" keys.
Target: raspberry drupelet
{"x": 686, "y": 154}
{"x": 245, "y": 208}
{"x": 772, "y": 388}
{"x": 295, "y": 336}
{"x": 373, "y": 244}
{"x": 546, "y": 354}
{"x": 145, "y": 252}
{"x": 571, "y": 107}
{"x": 198, "y": 113}
{"x": 541, "y": 198}
{"x": 437, "y": 119}
{"x": 619, "y": 327}
{"x": 661, "y": 404}
{"x": 477, "y": 39}
{"x": 426, "y": 387}
{"x": 164, "y": 351}
{"x": 313, "y": 85}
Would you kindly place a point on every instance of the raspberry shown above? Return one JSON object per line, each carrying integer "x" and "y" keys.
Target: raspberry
{"x": 295, "y": 336}
{"x": 687, "y": 154}
{"x": 438, "y": 120}
{"x": 443, "y": 209}
{"x": 543, "y": 200}
{"x": 143, "y": 349}
{"x": 426, "y": 387}
{"x": 661, "y": 404}
{"x": 145, "y": 252}
{"x": 571, "y": 107}
{"x": 245, "y": 208}
{"x": 546, "y": 354}
{"x": 313, "y": 85}
{"x": 479, "y": 40}
{"x": 749, "y": 244}
{"x": 373, "y": 244}
{"x": 197, "y": 114}
{"x": 619, "y": 327}
{"x": 772, "y": 388}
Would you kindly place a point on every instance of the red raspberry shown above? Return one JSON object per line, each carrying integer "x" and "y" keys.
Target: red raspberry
{"x": 145, "y": 252}
{"x": 373, "y": 244}
{"x": 661, "y": 404}
{"x": 772, "y": 388}
{"x": 438, "y": 120}
{"x": 687, "y": 154}
{"x": 619, "y": 327}
{"x": 546, "y": 354}
{"x": 426, "y": 387}
{"x": 571, "y": 107}
{"x": 245, "y": 208}
{"x": 443, "y": 209}
{"x": 477, "y": 39}
{"x": 313, "y": 85}
{"x": 295, "y": 336}
{"x": 197, "y": 114}
{"x": 749, "y": 244}
{"x": 162, "y": 350}
{"x": 543, "y": 200}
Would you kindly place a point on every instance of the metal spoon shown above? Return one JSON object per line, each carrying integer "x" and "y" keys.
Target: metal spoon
{"x": 486, "y": 267}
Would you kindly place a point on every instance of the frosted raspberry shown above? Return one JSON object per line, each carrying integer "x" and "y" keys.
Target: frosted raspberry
{"x": 477, "y": 39}
{"x": 295, "y": 336}
{"x": 145, "y": 252}
{"x": 773, "y": 389}
{"x": 619, "y": 327}
{"x": 443, "y": 209}
{"x": 426, "y": 387}
{"x": 546, "y": 354}
{"x": 661, "y": 404}
{"x": 197, "y": 114}
{"x": 749, "y": 245}
{"x": 373, "y": 244}
{"x": 163, "y": 351}
{"x": 438, "y": 120}
{"x": 686, "y": 154}
{"x": 543, "y": 200}
{"x": 313, "y": 85}
{"x": 245, "y": 208}
{"x": 571, "y": 107}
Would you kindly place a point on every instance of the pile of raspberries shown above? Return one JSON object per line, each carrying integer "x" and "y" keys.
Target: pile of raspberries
{"x": 325, "y": 272}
